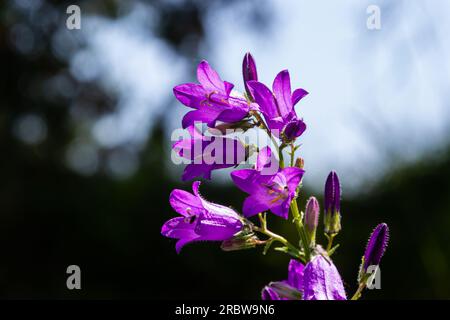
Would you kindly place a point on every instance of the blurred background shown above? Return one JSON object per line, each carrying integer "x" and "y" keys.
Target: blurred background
{"x": 86, "y": 117}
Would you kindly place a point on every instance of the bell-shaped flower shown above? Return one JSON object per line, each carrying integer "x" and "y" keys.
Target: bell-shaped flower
{"x": 318, "y": 280}
{"x": 269, "y": 187}
{"x": 212, "y": 99}
{"x": 277, "y": 105}
{"x": 200, "y": 219}
{"x": 208, "y": 153}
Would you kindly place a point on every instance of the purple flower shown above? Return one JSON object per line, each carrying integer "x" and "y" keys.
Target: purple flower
{"x": 249, "y": 71}
{"x": 318, "y": 280}
{"x": 211, "y": 99}
{"x": 332, "y": 216}
{"x": 208, "y": 153}
{"x": 201, "y": 220}
{"x": 322, "y": 281}
{"x": 278, "y": 107}
{"x": 376, "y": 246}
{"x": 268, "y": 191}
{"x": 294, "y": 281}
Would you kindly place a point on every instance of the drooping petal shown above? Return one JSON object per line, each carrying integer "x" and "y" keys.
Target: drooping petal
{"x": 178, "y": 227}
{"x": 297, "y": 95}
{"x": 282, "y": 92}
{"x": 190, "y": 94}
{"x": 295, "y": 274}
{"x": 209, "y": 78}
{"x": 184, "y": 241}
{"x": 185, "y": 203}
{"x": 321, "y": 281}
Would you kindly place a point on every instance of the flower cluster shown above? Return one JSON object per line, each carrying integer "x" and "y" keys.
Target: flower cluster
{"x": 272, "y": 184}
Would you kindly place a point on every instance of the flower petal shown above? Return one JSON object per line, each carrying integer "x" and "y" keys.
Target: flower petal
{"x": 203, "y": 115}
{"x": 293, "y": 177}
{"x": 209, "y": 78}
{"x": 190, "y": 94}
{"x": 295, "y": 274}
{"x": 253, "y": 205}
{"x": 245, "y": 179}
{"x": 268, "y": 293}
{"x": 264, "y": 98}
{"x": 321, "y": 281}
{"x": 185, "y": 203}
{"x": 297, "y": 95}
{"x": 282, "y": 91}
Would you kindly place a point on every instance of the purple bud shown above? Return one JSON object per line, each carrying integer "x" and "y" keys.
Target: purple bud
{"x": 294, "y": 129}
{"x": 332, "y": 193}
{"x": 249, "y": 71}
{"x": 376, "y": 246}
{"x": 312, "y": 214}
{"x": 332, "y": 216}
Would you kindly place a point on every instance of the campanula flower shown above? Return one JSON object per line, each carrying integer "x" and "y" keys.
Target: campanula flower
{"x": 332, "y": 215}
{"x": 208, "y": 153}
{"x": 267, "y": 191}
{"x": 318, "y": 280}
{"x": 200, "y": 219}
{"x": 277, "y": 105}
{"x": 376, "y": 246}
{"x": 212, "y": 99}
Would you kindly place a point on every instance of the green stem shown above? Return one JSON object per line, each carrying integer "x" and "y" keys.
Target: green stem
{"x": 330, "y": 241}
{"x": 358, "y": 292}
{"x": 292, "y": 154}
{"x": 301, "y": 229}
{"x": 275, "y": 237}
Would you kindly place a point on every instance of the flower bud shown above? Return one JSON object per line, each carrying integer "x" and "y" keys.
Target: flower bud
{"x": 312, "y": 218}
{"x": 249, "y": 72}
{"x": 376, "y": 246}
{"x": 332, "y": 216}
{"x": 300, "y": 163}
{"x": 248, "y": 241}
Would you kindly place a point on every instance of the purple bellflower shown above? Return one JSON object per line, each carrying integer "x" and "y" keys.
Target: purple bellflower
{"x": 212, "y": 99}
{"x": 332, "y": 208}
{"x": 278, "y": 107}
{"x": 318, "y": 280}
{"x": 267, "y": 191}
{"x": 376, "y": 246}
{"x": 208, "y": 153}
{"x": 201, "y": 220}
